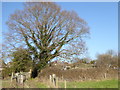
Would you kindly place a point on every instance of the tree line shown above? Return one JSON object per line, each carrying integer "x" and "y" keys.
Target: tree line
{"x": 23, "y": 62}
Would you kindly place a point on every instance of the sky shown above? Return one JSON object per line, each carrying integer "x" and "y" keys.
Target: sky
{"x": 1, "y": 26}
{"x": 102, "y": 18}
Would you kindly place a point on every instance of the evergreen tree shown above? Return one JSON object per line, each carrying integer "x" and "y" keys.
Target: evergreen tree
{"x": 21, "y": 60}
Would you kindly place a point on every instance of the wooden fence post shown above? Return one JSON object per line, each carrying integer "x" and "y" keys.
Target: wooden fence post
{"x": 105, "y": 75}
{"x": 12, "y": 77}
{"x": 50, "y": 79}
{"x": 65, "y": 83}
{"x": 57, "y": 82}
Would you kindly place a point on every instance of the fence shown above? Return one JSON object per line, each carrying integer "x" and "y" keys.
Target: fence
{"x": 54, "y": 81}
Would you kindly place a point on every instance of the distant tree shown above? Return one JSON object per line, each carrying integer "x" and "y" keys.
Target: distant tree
{"x": 115, "y": 60}
{"x": 2, "y": 63}
{"x": 85, "y": 60}
{"x": 48, "y": 32}
{"x": 103, "y": 60}
{"x": 92, "y": 62}
{"x": 5, "y": 70}
{"x": 119, "y": 59}
{"x": 21, "y": 60}
{"x": 107, "y": 59}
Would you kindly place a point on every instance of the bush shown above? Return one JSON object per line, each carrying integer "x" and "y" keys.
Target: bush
{"x": 78, "y": 74}
{"x": 6, "y": 72}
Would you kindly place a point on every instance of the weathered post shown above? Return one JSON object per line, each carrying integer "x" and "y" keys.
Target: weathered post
{"x": 62, "y": 78}
{"x": 57, "y": 82}
{"x": 105, "y": 75}
{"x": 65, "y": 83}
{"x": 50, "y": 79}
{"x": 21, "y": 79}
{"x": 30, "y": 73}
{"x": 18, "y": 79}
{"x": 54, "y": 79}
{"x": 12, "y": 77}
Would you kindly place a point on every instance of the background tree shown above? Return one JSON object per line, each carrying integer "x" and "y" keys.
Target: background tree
{"x": 48, "y": 32}
{"x": 21, "y": 61}
{"x": 5, "y": 70}
{"x": 110, "y": 58}
{"x": 92, "y": 61}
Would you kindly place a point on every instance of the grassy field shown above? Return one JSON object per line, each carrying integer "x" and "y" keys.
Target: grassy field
{"x": 35, "y": 83}
{"x": 92, "y": 84}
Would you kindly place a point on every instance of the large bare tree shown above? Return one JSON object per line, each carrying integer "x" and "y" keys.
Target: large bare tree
{"x": 48, "y": 31}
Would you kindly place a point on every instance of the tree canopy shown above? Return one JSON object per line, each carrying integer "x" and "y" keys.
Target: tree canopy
{"x": 47, "y": 31}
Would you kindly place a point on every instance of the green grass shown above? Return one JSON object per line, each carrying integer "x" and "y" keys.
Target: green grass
{"x": 92, "y": 84}
{"x": 35, "y": 83}
{"x": 41, "y": 85}
{"x": 31, "y": 83}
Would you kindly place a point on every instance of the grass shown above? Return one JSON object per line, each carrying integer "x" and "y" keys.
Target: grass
{"x": 8, "y": 84}
{"x": 31, "y": 83}
{"x": 82, "y": 65}
{"x": 35, "y": 83}
{"x": 92, "y": 84}
{"x": 41, "y": 85}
